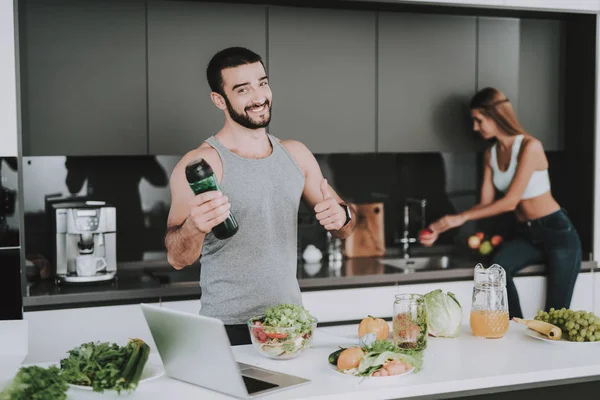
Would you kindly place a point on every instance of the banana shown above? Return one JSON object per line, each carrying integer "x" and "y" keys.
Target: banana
{"x": 553, "y": 332}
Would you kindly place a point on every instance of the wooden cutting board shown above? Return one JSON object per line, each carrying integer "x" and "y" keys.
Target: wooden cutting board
{"x": 368, "y": 238}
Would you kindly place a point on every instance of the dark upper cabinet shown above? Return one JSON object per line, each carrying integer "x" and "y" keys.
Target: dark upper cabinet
{"x": 540, "y": 79}
{"x": 83, "y": 71}
{"x": 182, "y": 38}
{"x": 322, "y": 68}
{"x": 427, "y": 74}
{"x": 498, "y": 56}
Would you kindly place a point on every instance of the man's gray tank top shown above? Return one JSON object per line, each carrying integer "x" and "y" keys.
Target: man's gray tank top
{"x": 257, "y": 267}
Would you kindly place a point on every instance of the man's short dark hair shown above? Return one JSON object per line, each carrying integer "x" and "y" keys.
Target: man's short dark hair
{"x": 228, "y": 58}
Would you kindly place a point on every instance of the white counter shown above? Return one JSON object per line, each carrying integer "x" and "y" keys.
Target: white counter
{"x": 466, "y": 364}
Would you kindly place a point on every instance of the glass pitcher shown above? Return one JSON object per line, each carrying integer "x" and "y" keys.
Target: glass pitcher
{"x": 489, "y": 309}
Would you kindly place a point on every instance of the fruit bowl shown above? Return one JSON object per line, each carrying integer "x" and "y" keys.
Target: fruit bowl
{"x": 281, "y": 343}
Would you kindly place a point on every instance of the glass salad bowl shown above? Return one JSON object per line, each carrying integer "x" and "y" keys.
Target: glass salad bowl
{"x": 281, "y": 343}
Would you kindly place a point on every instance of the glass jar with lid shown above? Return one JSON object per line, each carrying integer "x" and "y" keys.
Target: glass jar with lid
{"x": 409, "y": 323}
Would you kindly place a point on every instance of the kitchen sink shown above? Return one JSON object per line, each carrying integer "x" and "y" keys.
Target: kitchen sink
{"x": 418, "y": 263}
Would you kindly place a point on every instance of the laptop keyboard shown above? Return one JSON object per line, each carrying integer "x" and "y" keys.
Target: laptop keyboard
{"x": 255, "y": 385}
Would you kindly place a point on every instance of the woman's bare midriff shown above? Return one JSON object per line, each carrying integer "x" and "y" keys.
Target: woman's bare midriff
{"x": 536, "y": 207}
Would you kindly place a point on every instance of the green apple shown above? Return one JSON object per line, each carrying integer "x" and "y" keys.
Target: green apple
{"x": 486, "y": 248}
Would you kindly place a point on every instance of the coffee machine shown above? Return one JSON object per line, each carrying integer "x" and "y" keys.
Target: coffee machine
{"x": 85, "y": 229}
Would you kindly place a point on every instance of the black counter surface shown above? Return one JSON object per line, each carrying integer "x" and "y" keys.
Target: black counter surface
{"x": 156, "y": 280}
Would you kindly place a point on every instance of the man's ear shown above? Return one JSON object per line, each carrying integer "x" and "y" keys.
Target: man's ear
{"x": 218, "y": 100}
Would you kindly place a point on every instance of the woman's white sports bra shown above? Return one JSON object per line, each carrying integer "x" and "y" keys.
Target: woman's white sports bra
{"x": 538, "y": 184}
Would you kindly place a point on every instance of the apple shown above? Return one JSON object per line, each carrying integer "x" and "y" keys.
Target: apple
{"x": 496, "y": 240}
{"x": 486, "y": 248}
{"x": 474, "y": 242}
{"x": 480, "y": 235}
{"x": 425, "y": 232}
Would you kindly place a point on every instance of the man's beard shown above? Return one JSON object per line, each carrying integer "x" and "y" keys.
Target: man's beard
{"x": 245, "y": 120}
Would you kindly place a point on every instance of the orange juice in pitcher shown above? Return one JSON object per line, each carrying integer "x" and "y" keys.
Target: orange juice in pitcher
{"x": 489, "y": 310}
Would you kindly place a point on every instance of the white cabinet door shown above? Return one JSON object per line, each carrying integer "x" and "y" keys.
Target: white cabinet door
{"x": 8, "y": 82}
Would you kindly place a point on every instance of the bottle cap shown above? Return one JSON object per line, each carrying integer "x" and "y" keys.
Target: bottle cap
{"x": 197, "y": 170}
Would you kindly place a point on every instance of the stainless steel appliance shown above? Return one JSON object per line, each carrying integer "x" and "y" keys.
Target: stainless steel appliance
{"x": 86, "y": 241}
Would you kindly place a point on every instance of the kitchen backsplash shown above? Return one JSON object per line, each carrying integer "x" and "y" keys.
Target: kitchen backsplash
{"x": 138, "y": 187}
{"x": 10, "y": 260}
{"x": 9, "y": 206}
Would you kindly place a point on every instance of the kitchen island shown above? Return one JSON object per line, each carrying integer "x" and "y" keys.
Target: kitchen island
{"x": 453, "y": 367}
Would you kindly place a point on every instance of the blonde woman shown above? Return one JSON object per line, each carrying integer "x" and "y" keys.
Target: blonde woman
{"x": 517, "y": 167}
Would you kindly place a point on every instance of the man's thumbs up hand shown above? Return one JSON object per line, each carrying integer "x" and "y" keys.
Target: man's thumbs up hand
{"x": 329, "y": 213}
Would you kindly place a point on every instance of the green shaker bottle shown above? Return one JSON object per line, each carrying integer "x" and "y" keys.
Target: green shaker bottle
{"x": 201, "y": 178}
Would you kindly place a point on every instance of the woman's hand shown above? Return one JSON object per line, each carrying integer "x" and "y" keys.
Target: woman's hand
{"x": 428, "y": 238}
{"x": 447, "y": 222}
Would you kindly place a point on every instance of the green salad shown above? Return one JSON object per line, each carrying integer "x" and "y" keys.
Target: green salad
{"x": 106, "y": 366}
{"x": 36, "y": 383}
{"x": 283, "y": 331}
{"x": 289, "y": 316}
{"x": 377, "y": 356}
{"x": 383, "y": 351}
{"x": 100, "y": 366}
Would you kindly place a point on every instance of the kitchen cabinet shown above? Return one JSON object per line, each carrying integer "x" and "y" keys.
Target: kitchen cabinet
{"x": 368, "y": 300}
{"x": 426, "y": 77}
{"x": 498, "y": 53}
{"x": 83, "y": 73}
{"x": 322, "y": 69}
{"x": 540, "y": 109}
{"x": 182, "y": 38}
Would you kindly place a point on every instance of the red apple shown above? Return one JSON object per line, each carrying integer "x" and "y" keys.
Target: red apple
{"x": 425, "y": 232}
{"x": 480, "y": 235}
{"x": 496, "y": 240}
{"x": 474, "y": 242}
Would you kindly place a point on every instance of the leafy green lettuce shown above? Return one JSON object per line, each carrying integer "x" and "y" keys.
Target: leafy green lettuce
{"x": 382, "y": 351}
{"x": 98, "y": 365}
{"x": 444, "y": 314}
{"x": 288, "y": 316}
{"x": 36, "y": 383}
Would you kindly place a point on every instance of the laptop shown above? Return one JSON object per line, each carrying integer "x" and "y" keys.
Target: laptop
{"x": 196, "y": 349}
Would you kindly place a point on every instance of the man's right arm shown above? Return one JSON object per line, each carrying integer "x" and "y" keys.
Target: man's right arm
{"x": 184, "y": 244}
{"x": 190, "y": 218}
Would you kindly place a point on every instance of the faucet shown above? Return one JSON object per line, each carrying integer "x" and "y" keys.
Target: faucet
{"x": 405, "y": 239}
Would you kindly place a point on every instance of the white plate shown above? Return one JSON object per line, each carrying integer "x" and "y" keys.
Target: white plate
{"x": 537, "y": 335}
{"x": 152, "y": 370}
{"x": 371, "y": 378}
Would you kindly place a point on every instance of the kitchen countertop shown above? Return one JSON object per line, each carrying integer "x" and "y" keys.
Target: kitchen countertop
{"x": 156, "y": 280}
{"x": 460, "y": 366}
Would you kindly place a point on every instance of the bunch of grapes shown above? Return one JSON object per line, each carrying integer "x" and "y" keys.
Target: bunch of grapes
{"x": 577, "y": 326}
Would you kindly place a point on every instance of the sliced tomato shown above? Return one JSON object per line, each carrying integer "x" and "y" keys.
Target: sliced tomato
{"x": 276, "y": 335}
{"x": 262, "y": 337}
{"x": 257, "y": 328}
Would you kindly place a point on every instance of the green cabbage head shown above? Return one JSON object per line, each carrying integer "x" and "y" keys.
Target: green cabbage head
{"x": 444, "y": 314}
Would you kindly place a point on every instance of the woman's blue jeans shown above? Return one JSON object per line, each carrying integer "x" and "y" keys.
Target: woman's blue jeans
{"x": 551, "y": 240}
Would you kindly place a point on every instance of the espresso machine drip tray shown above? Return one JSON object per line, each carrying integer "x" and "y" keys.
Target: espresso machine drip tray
{"x": 99, "y": 277}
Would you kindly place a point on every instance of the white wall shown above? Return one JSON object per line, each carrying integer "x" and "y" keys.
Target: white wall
{"x": 596, "y": 293}
{"x": 583, "y": 6}
{"x": 52, "y": 333}
{"x": 8, "y": 86}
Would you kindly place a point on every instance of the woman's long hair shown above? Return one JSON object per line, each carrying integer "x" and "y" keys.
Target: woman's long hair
{"x": 493, "y": 103}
